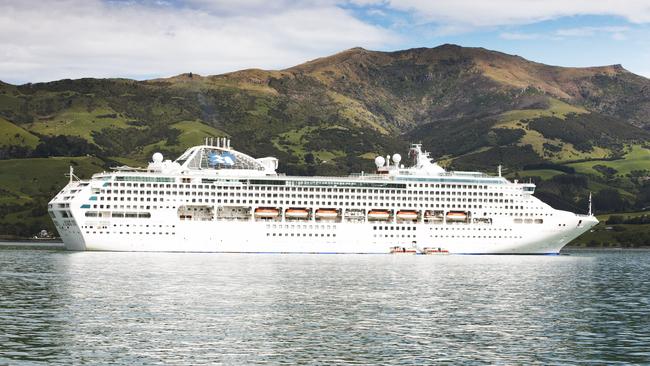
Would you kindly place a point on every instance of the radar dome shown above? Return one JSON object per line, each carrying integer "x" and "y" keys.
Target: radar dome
{"x": 397, "y": 158}
{"x": 157, "y": 157}
{"x": 380, "y": 161}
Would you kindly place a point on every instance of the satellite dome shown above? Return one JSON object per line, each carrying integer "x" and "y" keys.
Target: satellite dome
{"x": 157, "y": 157}
{"x": 380, "y": 161}
{"x": 397, "y": 158}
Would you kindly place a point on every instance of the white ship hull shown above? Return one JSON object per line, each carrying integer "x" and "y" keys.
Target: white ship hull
{"x": 322, "y": 237}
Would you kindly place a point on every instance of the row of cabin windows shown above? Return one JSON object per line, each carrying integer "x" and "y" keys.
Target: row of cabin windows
{"x": 393, "y": 236}
{"x": 398, "y": 198}
{"x": 301, "y": 235}
{"x": 126, "y": 215}
{"x": 257, "y": 193}
{"x": 275, "y": 187}
{"x": 392, "y": 227}
{"x": 132, "y": 232}
{"x": 478, "y": 236}
{"x": 310, "y": 226}
{"x": 394, "y": 199}
{"x": 470, "y": 229}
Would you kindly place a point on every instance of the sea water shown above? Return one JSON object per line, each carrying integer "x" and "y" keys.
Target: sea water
{"x": 60, "y": 307}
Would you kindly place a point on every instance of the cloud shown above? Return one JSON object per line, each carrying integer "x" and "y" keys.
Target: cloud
{"x": 472, "y": 14}
{"x": 615, "y": 32}
{"x": 51, "y": 40}
{"x": 590, "y": 31}
{"x": 517, "y": 36}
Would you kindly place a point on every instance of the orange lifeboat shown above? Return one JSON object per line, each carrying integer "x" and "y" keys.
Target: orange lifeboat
{"x": 267, "y": 212}
{"x": 326, "y": 213}
{"x": 402, "y": 250}
{"x": 381, "y": 215}
{"x": 434, "y": 251}
{"x": 407, "y": 215}
{"x": 456, "y": 216}
{"x": 296, "y": 213}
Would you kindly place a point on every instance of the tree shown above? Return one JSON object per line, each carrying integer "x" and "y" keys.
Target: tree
{"x": 609, "y": 199}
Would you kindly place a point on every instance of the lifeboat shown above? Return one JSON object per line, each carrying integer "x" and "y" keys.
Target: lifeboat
{"x": 326, "y": 213}
{"x": 296, "y": 213}
{"x": 435, "y": 251}
{"x": 267, "y": 212}
{"x": 402, "y": 250}
{"x": 456, "y": 216}
{"x": 407, "y": 215}
{"x": 378, "y": 215}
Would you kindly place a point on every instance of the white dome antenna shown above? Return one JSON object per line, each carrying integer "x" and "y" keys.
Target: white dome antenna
{"x": 380, "y": 161}
{"x": 396, "y": 159}
{"x": 157, "y": 157}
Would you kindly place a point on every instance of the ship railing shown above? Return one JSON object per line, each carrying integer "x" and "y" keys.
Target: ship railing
{"x": 368, "y": 176}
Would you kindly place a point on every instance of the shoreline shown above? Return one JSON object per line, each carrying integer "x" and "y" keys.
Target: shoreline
{"x": 58, "y": 244}
{"x": 31, "y": 244}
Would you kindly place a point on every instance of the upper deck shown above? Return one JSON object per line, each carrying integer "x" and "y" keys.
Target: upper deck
{"x": 220, "y": 163}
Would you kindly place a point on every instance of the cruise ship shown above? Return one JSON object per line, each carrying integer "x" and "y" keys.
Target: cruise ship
{"x": 214, "y": 198}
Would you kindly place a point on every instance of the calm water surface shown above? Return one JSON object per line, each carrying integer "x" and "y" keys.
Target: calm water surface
{"x": 136, "y": 308}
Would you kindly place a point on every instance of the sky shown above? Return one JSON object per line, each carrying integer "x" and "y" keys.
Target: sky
{"x": 143, "y": 39}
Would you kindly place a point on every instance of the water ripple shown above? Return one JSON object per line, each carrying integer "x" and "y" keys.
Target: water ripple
{"x": 138, "y": 308}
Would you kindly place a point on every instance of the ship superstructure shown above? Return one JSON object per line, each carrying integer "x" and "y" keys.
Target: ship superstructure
{"x": 216, "y": 199}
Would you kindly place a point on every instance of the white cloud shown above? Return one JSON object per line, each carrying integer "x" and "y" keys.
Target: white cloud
{"x": 79, "y": 38}
{"x": 472, "y": 13}
{"x": 591, "y": 31}
{"x": 618, "y": 33}
{"x": 517, "y": 36}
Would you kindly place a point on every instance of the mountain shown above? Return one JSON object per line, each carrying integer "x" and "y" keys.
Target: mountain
{"x": 472, "y": 108}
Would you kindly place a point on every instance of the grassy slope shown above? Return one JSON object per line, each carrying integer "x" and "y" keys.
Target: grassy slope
{"x": 638, "y": 158}
{"x": 192, "y": 133}
{"x": 24, "y": 179}
{"x": 10, "y": 134}
{"x": 78, "y": 122}
{"x": 542, "y": 173}
{"x": 518, "y": 118}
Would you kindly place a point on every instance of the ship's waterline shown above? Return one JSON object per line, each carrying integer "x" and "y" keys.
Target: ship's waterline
{"x": 216, "y": 199}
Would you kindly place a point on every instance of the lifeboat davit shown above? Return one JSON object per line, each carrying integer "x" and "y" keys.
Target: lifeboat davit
{"x": 267, "y": 212}
{"x": 456, "y": 215}
{"x": 407, "y": 215}
{"x": 326, "y": 213}
{"x": 402, "y": 250}
{"x": 378, "y": 215}
{"x": 296, "y": 213}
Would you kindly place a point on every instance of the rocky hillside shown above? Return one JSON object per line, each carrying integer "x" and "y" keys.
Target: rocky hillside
{"x": 473, "y": 108}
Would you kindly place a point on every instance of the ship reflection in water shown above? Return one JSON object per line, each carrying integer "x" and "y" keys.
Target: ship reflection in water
{"x": 143, "y": 308}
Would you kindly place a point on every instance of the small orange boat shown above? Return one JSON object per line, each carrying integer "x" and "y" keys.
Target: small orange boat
{"x": 456, "y": 215}
{"x": 296, "y": 213}
{"x": 402, "y": 250}
{"x": 378, "y": 215}
{"x": 407, "y": 215}
{"x": 434, "y": 251}
{"x": 267, "y": 212}
{"x": 326, "y": 213}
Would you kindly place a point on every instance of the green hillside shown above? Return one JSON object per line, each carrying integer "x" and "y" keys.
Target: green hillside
{"x": 571, "y": 130}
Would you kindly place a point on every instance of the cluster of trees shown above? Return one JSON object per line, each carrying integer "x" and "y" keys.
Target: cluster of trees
{"x": 623, "y": 239}
{"x": 626, "y": 220}
{"x": 586, "y": 130}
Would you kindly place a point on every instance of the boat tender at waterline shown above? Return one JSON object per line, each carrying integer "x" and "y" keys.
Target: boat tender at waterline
{"x": 214, "y": 198}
